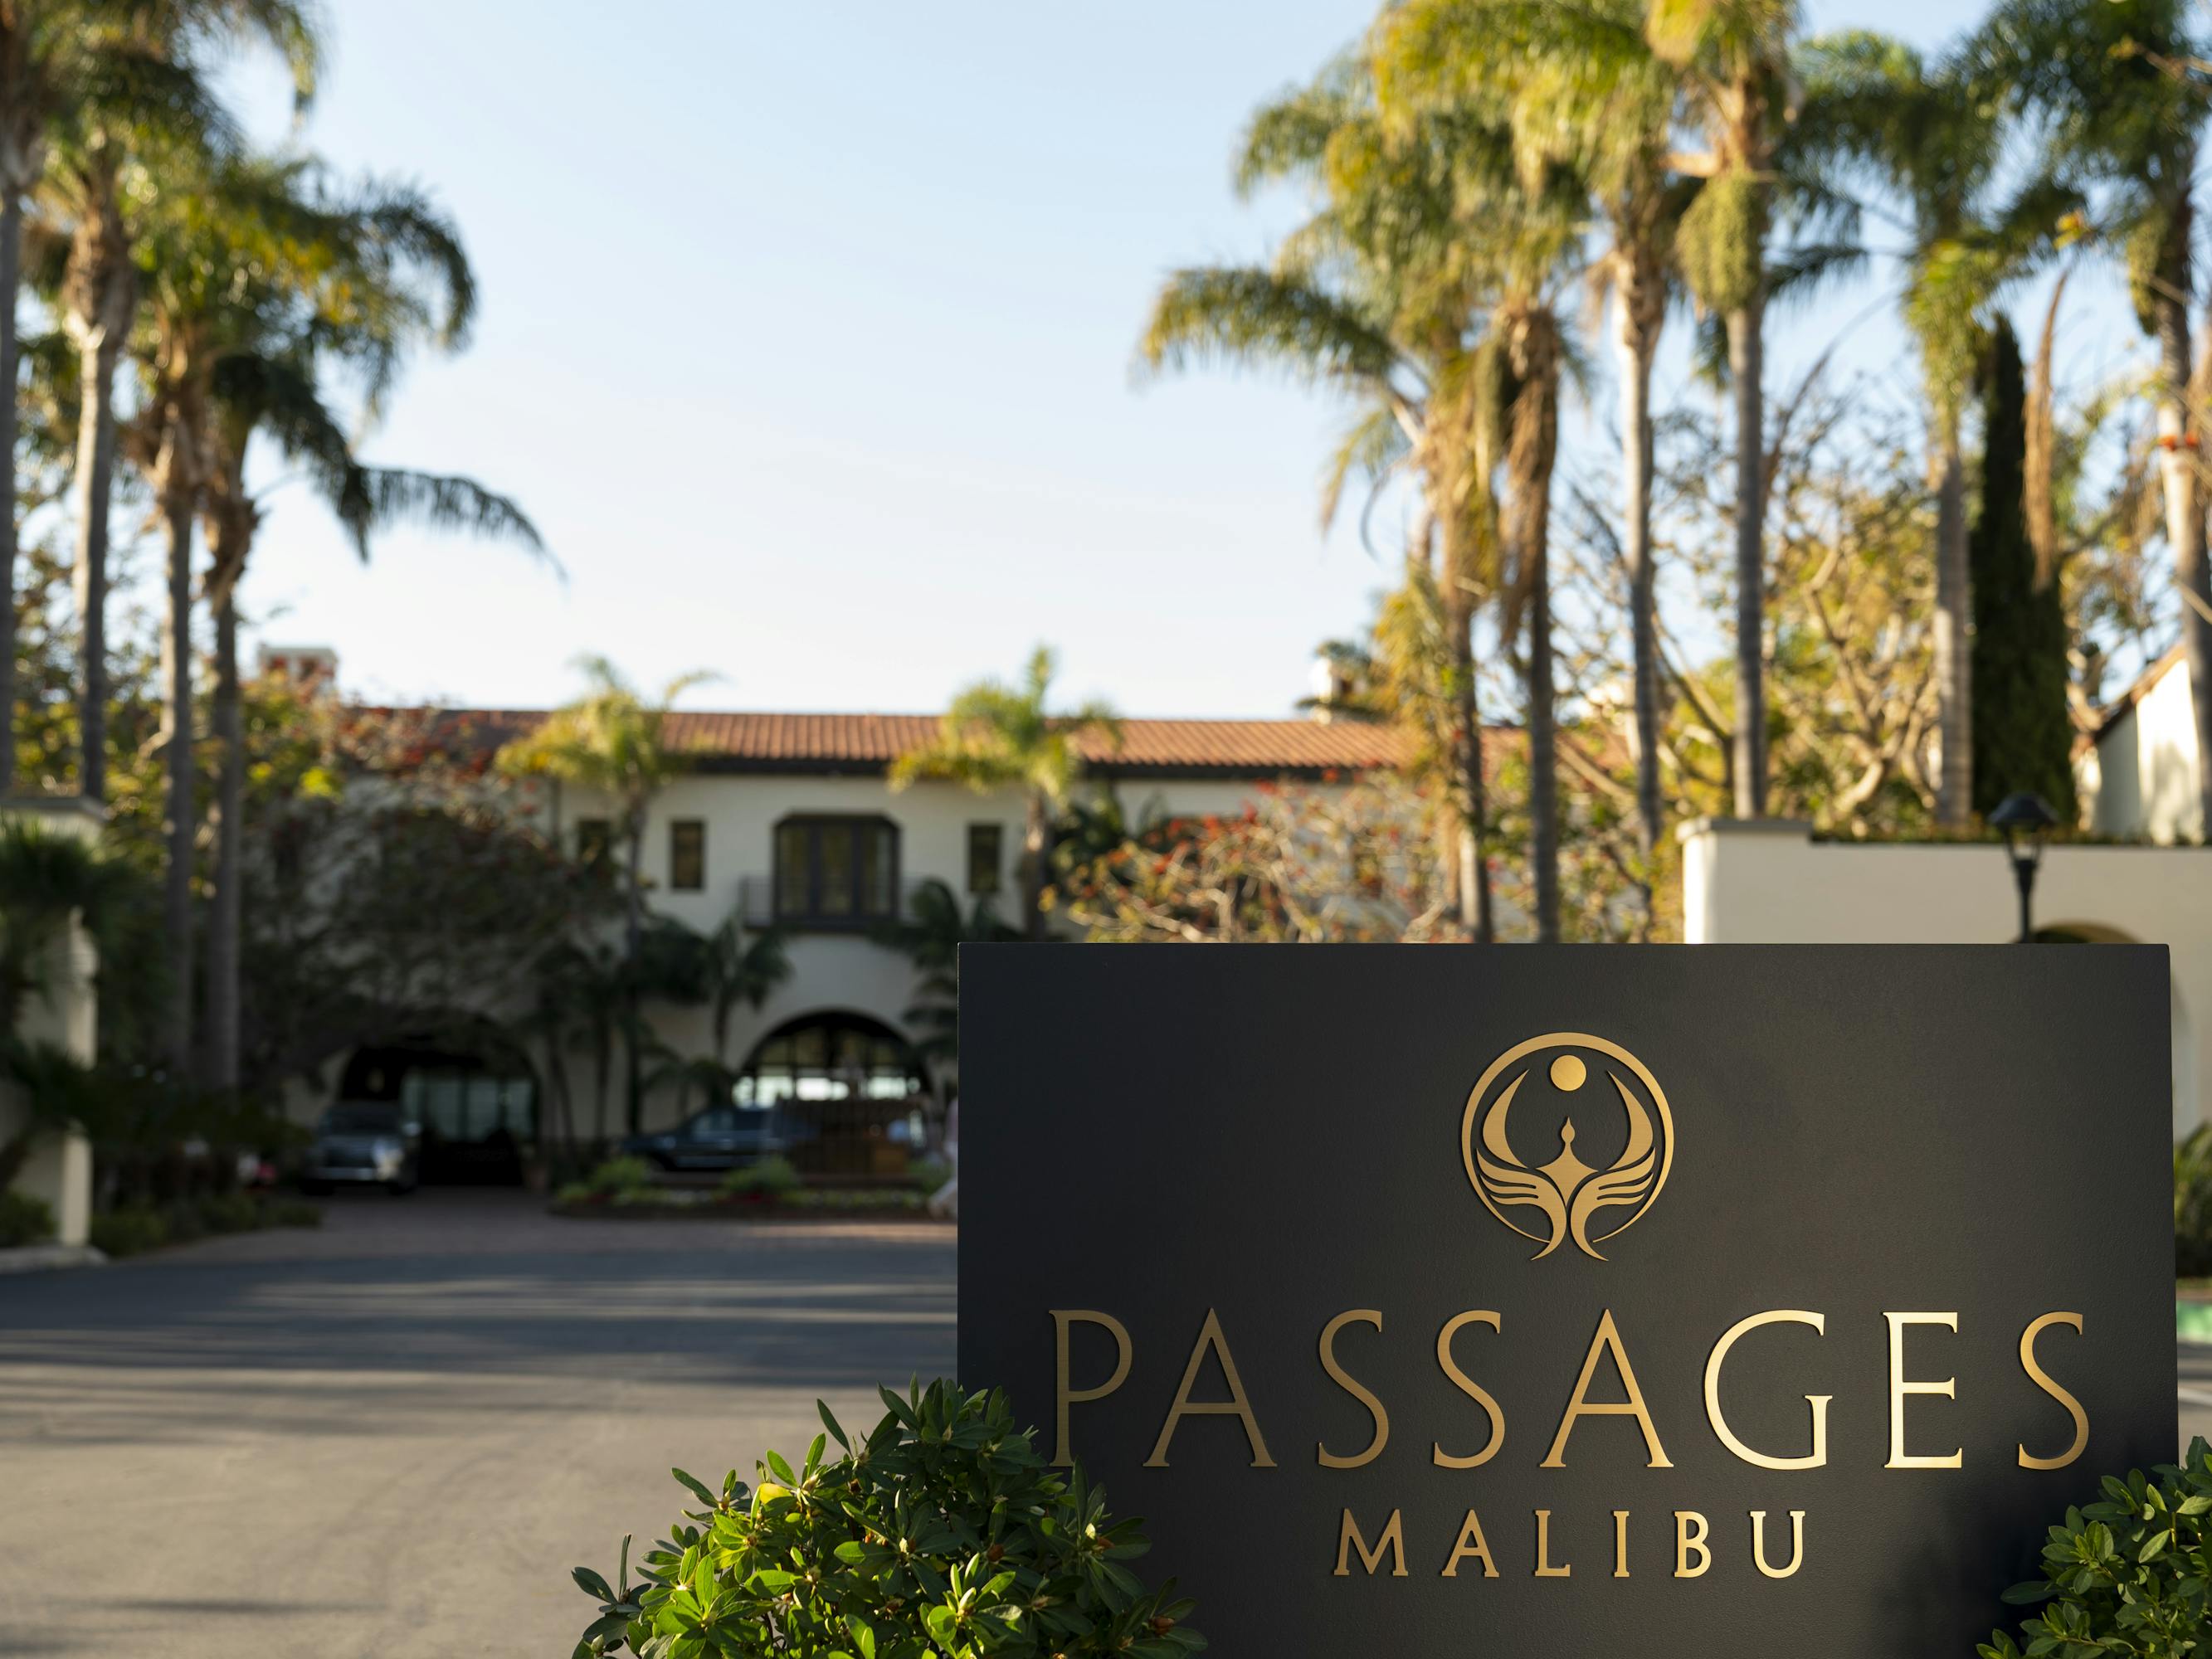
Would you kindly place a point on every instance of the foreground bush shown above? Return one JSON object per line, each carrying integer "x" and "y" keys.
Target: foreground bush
{"x": 129, "y": 1232}
{"x": 132, "y": 1229}
{"x": 944, "y": 1533}
{"x": 2127, "y": 1575}
{"x": 769, "y": 1177}
{"x": 619, "y": 1180}
{"x": 24, "y": 1220}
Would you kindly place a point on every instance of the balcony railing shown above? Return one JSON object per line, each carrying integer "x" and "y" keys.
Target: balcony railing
{"x": 756, "y": 903}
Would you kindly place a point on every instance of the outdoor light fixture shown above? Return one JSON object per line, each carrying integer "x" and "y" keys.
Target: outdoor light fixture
{"x": 2026, "y": 819}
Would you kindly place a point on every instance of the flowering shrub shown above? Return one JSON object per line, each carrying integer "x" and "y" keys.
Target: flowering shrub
{"x": 941, "y": 1533}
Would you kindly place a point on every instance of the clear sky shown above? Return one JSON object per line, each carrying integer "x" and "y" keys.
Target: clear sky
{"x": 806, "y": 339}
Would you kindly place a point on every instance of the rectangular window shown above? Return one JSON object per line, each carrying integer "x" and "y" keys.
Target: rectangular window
{"x": 986, "y": 856}
{"x": 837, "y": 871}
{"x": 595, "y": 840}
{"x": 795, "y": 868}
{"x": 687, "y": 854}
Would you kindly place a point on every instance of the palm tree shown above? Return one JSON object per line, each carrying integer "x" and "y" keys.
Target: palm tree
{"x": 389, "y": 274}
{"x": 2120, "y": 94}
{"x": 996, "y": 737}
{"x": 1927, "y": 133}
{"x": 931, "y": 937}
{"x": 276, "y": 396}
{"x": 742, "y": 966}
{"x": 139, "y": 96}
{"x": 1732, "y": 57}
{"x": 69, "y": 68}
{"x": 612, "y": 743}
{"x": 1375, "y": 296}
{"x": 1577, "y": 83}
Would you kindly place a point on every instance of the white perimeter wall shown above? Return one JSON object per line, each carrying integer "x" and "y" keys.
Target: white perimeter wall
{"x": 1771, "y": 883}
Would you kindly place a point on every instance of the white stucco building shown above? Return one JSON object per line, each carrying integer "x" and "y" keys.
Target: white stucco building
{"x": 789, "y": 820}
{"x": 2139, "y": 778}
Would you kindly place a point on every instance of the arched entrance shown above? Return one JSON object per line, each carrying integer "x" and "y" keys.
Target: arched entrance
{"x": 471, "y": 1089}
{"x": 832, "y": 1055}
{"x": 846, "y": 1089}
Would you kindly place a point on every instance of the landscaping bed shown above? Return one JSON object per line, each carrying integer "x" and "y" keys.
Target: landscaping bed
{"x": 770, "y": 1190}
{"x": 809, "y": 1204}
{"x": 135, "y": 1229}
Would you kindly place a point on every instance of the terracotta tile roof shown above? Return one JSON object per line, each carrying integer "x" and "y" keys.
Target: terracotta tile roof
{"x": 750, "y": 742}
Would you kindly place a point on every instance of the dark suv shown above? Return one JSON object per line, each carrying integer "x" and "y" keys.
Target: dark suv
{"x": 720, "y": 1138}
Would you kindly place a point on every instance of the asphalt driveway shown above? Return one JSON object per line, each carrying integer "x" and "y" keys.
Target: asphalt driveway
{"x": 397, "y": 1434}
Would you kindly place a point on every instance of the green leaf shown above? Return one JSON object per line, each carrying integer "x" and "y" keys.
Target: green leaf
{"x": 697, "y": 1490}
{"x": 592, "y": 1584}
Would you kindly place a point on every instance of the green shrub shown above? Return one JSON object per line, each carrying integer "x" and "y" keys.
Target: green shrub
{"x": 2125, "y": 1575}
{"x": 229, "y": 1213}
{"x": 928, "y": 1174}
{"x": 769, "y": 1177}
{"x": 859, "y": 1199}
{"x": 944, "y": 1533}
{"x": 130, "y": 1231}
{"x": 24, "y": 1220}
{"x": 620, "y": 1178}
{"x": 2192, "y": 1204}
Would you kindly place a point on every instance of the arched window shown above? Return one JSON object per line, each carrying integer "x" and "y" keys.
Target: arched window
{"x": 830, "y": 1056}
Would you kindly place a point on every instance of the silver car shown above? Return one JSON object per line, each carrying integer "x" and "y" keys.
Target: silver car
{"x": 364, "y": 1143}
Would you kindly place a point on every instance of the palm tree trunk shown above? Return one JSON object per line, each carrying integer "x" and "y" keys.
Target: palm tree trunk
{"x": 177, "y": 806}
{"x": 1543, "y": 755}
{"x": 11, "y": 282}
{"x": 1533, "y": 450}
{"x": 96, "y": 489}
{"x": 1746, "y": 346}
{"x": 1638, "y": 341}
{"x": 634, "y": 1113}
{"x": 1475, "y": 912}
{"x": 225, "y": 916}
{"x": 1035, "y": 839}
{"x": 1954, "y": 687}
{"x": 2184, "y": 512}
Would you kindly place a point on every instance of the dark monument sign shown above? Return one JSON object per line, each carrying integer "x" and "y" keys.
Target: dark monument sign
{"x": 1556, "y": 1302}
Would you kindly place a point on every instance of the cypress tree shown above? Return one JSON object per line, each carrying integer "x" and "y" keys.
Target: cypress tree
{"x": 2023, "y": 736}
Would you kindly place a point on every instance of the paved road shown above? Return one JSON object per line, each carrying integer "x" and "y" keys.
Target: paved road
{"x": 397, "y": 1434}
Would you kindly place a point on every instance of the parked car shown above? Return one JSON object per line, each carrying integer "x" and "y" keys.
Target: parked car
{"x": 717, "y": 1139}
{"x": 364, "y": 1143}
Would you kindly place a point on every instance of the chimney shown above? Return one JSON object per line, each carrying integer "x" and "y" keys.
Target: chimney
{"x": 1331, "y": 679}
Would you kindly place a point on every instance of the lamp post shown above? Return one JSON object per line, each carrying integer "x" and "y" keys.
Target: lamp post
{"x": 2026, "y": 819}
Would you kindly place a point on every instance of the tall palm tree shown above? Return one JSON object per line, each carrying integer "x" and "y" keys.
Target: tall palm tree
{"x": 997, "y": 736}
{"x": 372, "y": 272}
{"x": 2120, "y": 94}
{"x": 230, "y": 244}
{"x": 276, "y": 396}
{"x": 62, "y": 61}
{"x": 1578, "y": 82}
{"x": 1927, "y": 134}
{"x": 612, "y": 743}
{"x": 1375, "y": 295}
{"x": 1732, "y": 57}
{"x": 138, "y": 98}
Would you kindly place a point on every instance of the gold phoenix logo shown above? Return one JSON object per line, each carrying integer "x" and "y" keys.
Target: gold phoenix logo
{"x": 1567, "y": 1193}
